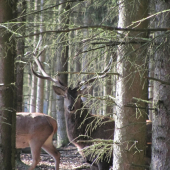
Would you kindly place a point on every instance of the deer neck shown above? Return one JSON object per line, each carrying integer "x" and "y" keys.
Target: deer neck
{"x": 74, "y": 123}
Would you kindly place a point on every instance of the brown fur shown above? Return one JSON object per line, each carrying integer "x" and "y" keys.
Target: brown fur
{"x": 36, "y": 130}
{"x": 80, "y": 125}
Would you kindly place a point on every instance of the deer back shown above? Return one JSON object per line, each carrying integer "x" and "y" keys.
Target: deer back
{"x": 30, "y": 125}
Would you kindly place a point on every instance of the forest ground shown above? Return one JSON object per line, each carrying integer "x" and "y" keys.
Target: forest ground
{"x": 70, "y": 160}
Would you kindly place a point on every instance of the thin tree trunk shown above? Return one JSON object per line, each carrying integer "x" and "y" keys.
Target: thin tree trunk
{"x": 19, "y": 77}
{"x": 46, "y": 97}
{"x": 20, "y": 53}
{"x": 150, "y": 86}
{"x": 53, "y": 97}
{"x": 7, "y": 89}
{"x": 61, "y": 65}
{"x": 21, "y": 8}
{"x": 85, "y": 56}
{"x": 130, "y": 132}
{"x": 161, "y": 96}
{"x": 108, "y": 90}
{"x": 26, "y": 88}
{"x": 40, "y": 91}
{"x": 40, "y": 82}
{"x": 34, "y": 78}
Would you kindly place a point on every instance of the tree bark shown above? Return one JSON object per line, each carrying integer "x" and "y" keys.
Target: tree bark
{"x": 20, "y": 53}
{"x": 21, "y": 7}
{"x": 161, "y": 96}
{"x": 46, "y": 94}
{"x": 108, "y": 89}
{"x": 130, "y": 128}
{"x": 61, "y": 65}
{"x": 7, "y": 89}
{"x": 34, "y": 78}
{"x": 40, "y": 82}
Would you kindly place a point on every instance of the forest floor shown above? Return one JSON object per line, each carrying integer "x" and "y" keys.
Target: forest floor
{"x": 70, "y": 160}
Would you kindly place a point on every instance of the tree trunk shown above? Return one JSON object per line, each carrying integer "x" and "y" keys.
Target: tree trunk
{"x": 40, "y": 82}
{"x": 86, "y": 57}
{"x": 40, "y": 92}
{"x": 7, "y": 89}
{"x": 161, "y": 96}
{"x": 20, "y": 53}
{"x": 21, "y": 7}
{"x": 34, "y": 78}
{"x": 108, "y": 90}
{"x": 61, "y": 65}
{"x": 46, "y": 96}
{"x": 53, "y": 97}
{"x": 130, "y": 129}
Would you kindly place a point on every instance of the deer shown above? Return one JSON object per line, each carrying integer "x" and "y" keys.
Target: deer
{"x": 77, "y": 116}
{"x": 36, "y": 130}
{"x": 78, "y": 119}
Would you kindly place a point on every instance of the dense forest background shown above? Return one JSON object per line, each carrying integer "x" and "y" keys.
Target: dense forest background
{"x": 75, "y": 40}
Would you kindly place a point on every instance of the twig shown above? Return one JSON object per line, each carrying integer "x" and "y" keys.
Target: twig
{"x": 101, "y": 27}
{"x": 89, "y": 73}
{"x": 161, "y": 81}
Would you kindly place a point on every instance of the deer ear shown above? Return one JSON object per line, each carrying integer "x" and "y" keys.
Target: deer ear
{"x": 59, "y": 91}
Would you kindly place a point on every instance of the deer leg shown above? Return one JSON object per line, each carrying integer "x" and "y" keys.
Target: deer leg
{"x": 103, "y": 166}
{"x": 35, "y": 152}
{"x": 51, "y": 149}
{"x": 92, "y": 167}
{"x": 54, "y": 153}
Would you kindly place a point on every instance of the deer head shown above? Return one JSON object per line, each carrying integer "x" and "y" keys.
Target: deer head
{"x": 70, "y": 95}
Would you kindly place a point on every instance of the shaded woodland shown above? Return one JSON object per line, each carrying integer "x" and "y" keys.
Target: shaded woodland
{"x": 74, "y": 40}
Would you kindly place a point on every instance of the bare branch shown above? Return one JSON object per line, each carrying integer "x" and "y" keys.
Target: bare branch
{"x": 89, "y": 73}
{"x": 161, "y": 81}
{"x": 114, "y": 43}
{"x": 38, "y": 11}
{"x": 101, "y": 27}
